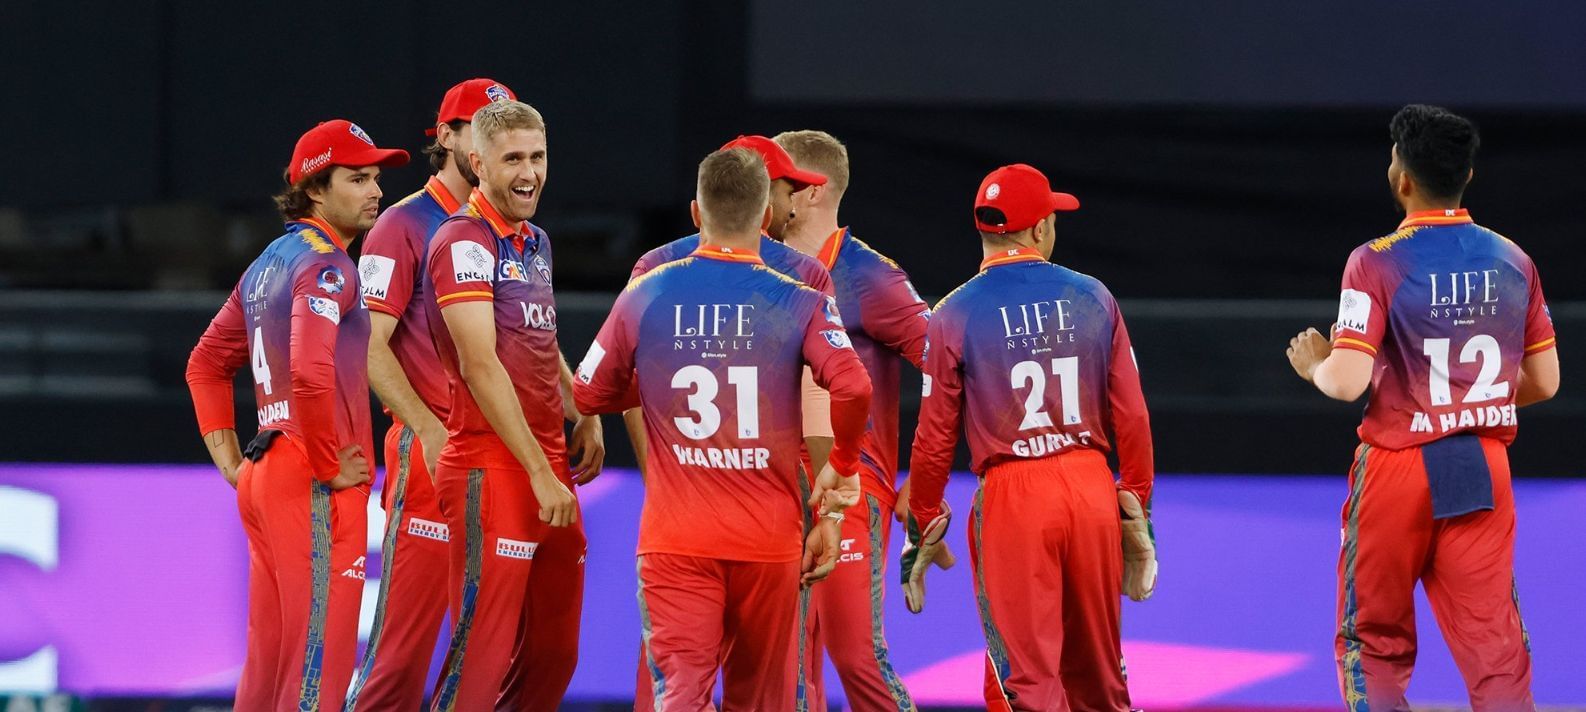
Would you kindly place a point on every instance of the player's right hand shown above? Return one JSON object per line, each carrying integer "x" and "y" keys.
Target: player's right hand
{"x": 558, "y": 506}
{"x": 354, "y": 469}
{"x": 833, "y": 492}
{"x": 1139, "y": 548}
{"x": 919, "y": 552}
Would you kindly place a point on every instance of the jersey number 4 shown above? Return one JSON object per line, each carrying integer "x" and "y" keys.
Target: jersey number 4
{"x": 1028, "y": 374}
{"x": 261, "y": 367}
{"x": 704, "y": 417}
{"x": 1479, "y": 346}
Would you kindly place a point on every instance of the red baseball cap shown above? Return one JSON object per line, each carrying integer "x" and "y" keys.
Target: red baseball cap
{"x": 338, "y": 142}
{"x": 462, "y": 100}
{"x": 778, "y": 164}
{"x": 1023, "y": 196}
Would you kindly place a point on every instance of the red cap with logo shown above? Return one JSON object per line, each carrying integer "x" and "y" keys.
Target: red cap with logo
{"x": 462, "y": 100}
{"x": 1016, "y": 197}
{"x": 339, "y": 142}
{"x": 778, "y": 164}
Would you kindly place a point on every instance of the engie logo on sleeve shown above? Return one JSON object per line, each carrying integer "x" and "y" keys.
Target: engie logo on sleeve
{"x": 327, "y": 308}
{"x": 375, "y": 274}
{"x": 1354, "y": 310}
{"x": 591, "y": 362}
{"x": 471, "y": 262}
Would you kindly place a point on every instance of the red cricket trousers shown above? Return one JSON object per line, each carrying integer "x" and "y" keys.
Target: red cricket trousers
{"x": 703, "y": 615}
{"x": 413, "y": 569}
{"x": 305, "y": 582}
{"x": 847, "y": 621}
{"x": 516, "y": 592}
{"x": 1465, "y": 563}
{"x": 1045, "y": 544}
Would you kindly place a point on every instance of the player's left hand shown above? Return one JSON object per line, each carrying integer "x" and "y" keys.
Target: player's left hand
{"x": 1307, "y": 351}
{"x": 833, "y": 492}
{"x": 944, "y": 558}
{"x": 919, "y": 552}
{"x": 820, "y": 551}
{"x": 588, "y": 442}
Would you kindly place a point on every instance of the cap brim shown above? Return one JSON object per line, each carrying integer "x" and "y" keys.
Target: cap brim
{"x": 804, "y": 179}
{"x": 382, "y": 157}
{"x": 1064, "y": 202}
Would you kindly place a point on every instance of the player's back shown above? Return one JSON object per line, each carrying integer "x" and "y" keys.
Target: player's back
{"x": 1450, "y": 309}
{"x": 719, "y": 359}
{"x": 1035, "y": 342}
{"x": 779, "y": 257}
{"x": 304, "y": 262}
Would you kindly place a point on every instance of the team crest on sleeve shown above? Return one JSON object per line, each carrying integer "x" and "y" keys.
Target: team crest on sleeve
{"x": 471, "y": 262}
{"x": 375, "y": 272}
{"x": 331, "y": 280}
{"x": 829, "y": 309}
{"x": 543, "y": 267}
{"x": 360, "y": 133}
{"x": 1354, "y": 310}
{"x": 327, "y": 308}
{"x": 837, "y": 338}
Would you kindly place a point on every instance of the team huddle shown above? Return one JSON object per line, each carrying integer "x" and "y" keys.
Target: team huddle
{"x": 756, "y": 365}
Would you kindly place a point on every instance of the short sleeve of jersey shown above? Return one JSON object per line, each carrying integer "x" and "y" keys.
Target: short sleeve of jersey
{"x": 1538, "y": 321}
{"x": 1362, "y": 304}
{"x": 604, "y": 381}
{"x": 389, "y": 266}
{"x": 462, "y": 263}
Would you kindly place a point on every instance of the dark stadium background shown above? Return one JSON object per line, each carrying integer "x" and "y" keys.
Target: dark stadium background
{"x": 1228, "y": 156}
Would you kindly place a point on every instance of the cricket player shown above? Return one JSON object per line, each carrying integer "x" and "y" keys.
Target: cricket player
{"x": 1033, "y": 360}
{"x": 405, "y": 371}
{"x": 297, "y": 320}
{"x": 787, "y": 180}
{"x": 886, "y": 321}
{"x": 517, "y": 548}
{"x": 1445, "y": 320}
{"x": 713, "y": 346}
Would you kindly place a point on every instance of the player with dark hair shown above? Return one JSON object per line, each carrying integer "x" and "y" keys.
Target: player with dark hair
{"x": 297, "y": 319}
{"x": 1033, "y": 361}
{"x": 716, "y": 344}
{"x": 1446, "y": 322}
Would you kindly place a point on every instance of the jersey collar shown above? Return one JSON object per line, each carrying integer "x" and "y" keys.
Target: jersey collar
{"x": 1008, "y": 257}
{"x": 834, "y": 244}
{"x": 1452, "y": 216}
{"x": 499, "y": 224}
{"x": 727, "y": 254}
{"x": 442, "y": 197}
{"x": 324, "y": 227}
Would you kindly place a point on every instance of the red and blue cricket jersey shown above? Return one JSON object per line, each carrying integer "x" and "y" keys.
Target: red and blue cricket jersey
{"x": 714, "y": 345}
{"x": 298, "y": 320}
{"x": 885, "y": 319}
{"x": 1034, "y": 360}
{"x": 477, "y": 256}
{"x": 1448, "y": 309}
{"x": 391, "y": 270}
{"x": 779, "y": 257}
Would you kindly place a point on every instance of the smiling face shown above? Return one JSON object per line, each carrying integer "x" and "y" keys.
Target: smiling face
{"x": 351, "y": 200}
{"x": 511, "y": 171}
